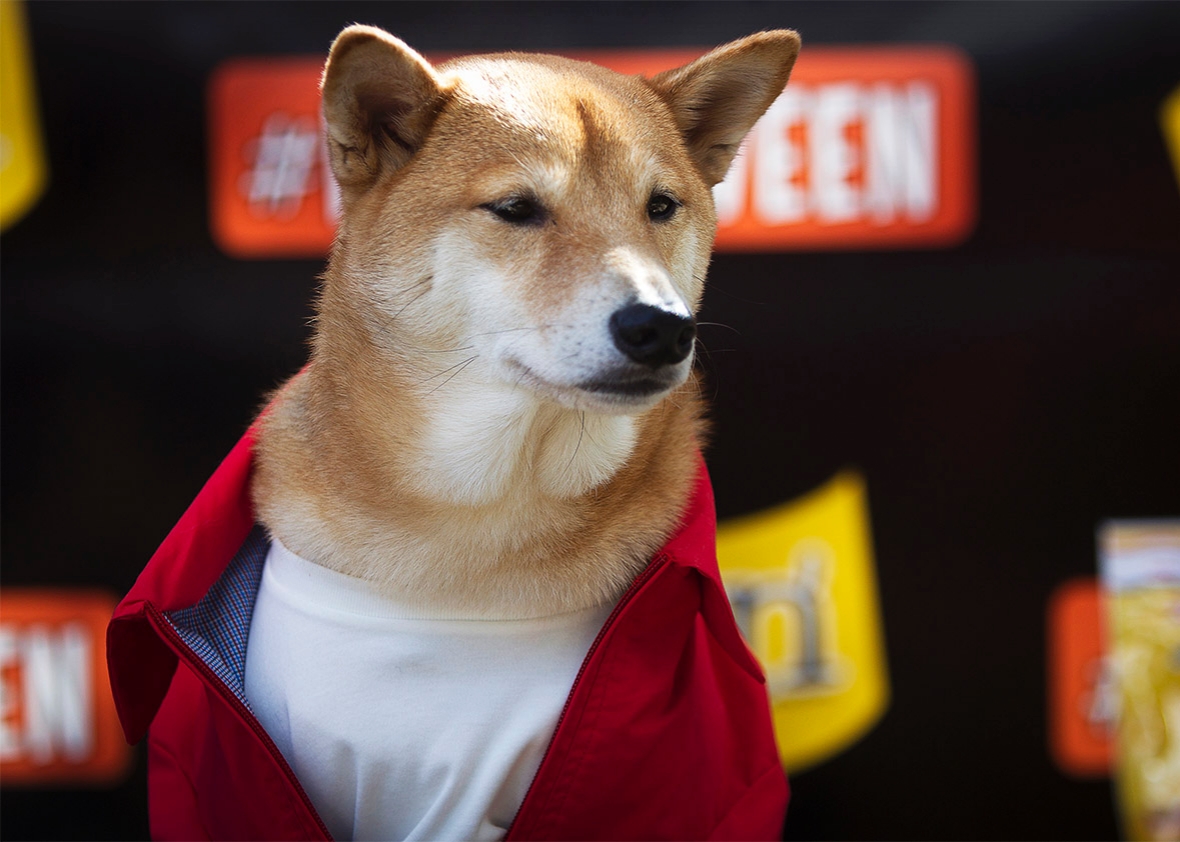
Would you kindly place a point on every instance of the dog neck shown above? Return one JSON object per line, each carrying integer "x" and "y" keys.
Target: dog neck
{"x": 473, "y": 496}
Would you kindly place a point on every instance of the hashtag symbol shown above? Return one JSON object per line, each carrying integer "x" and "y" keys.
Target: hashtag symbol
{"x": 282, "y": 164}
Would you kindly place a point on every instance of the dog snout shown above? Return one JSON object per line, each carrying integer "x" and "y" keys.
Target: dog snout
{"x": 652, "y": 336}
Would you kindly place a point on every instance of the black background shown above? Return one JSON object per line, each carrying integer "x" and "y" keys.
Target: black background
{"x": 1002, "y": 397}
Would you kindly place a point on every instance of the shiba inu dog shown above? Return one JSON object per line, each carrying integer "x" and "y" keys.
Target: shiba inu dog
{"x": 500, "y": 415}
{"x": 484, "y": 463}
{"x": 459, "y": 580}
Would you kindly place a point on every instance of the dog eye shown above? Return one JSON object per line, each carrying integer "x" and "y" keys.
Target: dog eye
{"x": 661, "y": 207}
{"x": 517, "y": 210}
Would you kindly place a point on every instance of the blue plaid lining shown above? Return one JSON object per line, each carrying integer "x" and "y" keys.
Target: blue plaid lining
{"x": 218, "y": 627}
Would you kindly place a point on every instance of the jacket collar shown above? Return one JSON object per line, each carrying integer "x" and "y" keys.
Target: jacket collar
{"x": 210, "y": 563}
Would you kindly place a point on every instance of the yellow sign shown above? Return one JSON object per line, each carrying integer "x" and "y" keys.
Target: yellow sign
{"x": 1170, "y": 120}
{"x": 22, "y": 161}
{"x": 802, "y": 583}
{"x": 1141, "y": 573}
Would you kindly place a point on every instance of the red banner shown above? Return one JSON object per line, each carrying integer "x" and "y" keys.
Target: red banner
{"x": 866, "y": 148}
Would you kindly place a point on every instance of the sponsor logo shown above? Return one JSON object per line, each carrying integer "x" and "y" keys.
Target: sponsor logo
{"x": 57, "y": 719}
{"x": 1170, "y": 123}
{"x": 791, "y": 623}
{"x": 1081, "y": 695}
{"x": 22, "y": 158}
{"x": 1139, "y": 565}
{"x": 866, "y": 148}
{"x": 802, "y": 583}
{"x": 272, "y": 191}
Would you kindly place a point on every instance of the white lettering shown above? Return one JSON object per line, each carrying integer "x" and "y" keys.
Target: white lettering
{"x": 791, "y": 624}
{"x": 921, "y": 150}
{"x": 840, "y": 153}
{"x": 886, "y": 165}
{"x": 729, "y": 195}
{"x": 780, "y": 160}
{"x": 281, "y": 159}
{"x": 56, "y": 671}
{"x": 834, "y": 157}
{"x": 901, "y": 150}
{"x": 10, "y": 745}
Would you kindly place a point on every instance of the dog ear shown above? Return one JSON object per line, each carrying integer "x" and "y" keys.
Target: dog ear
{"x": 379, "y": 99}
{"x": 716, "y": 99}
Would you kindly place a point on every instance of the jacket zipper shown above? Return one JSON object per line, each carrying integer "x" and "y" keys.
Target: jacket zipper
{"x": 657, "y": 564}
{"x": 166, "y": 628}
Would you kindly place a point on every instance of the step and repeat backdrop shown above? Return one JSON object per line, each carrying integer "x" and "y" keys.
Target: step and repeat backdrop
{"x": 941, "y": 339}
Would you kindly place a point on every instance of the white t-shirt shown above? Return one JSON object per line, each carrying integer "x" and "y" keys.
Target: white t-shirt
{"x": 401, "y": 725}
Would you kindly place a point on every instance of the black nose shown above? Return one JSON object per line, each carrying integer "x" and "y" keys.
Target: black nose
{"x": 652, "y": 336}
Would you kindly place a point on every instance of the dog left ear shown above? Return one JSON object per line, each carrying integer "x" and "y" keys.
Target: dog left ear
{"x": 716, "y": 99}
{"x": 380, "y": 99}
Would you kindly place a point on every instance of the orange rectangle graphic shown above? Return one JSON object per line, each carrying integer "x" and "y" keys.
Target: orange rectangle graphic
{"x": 868, "y": 147}
{"x": 58, "y": 724}
{"x": 1079, "y": 692}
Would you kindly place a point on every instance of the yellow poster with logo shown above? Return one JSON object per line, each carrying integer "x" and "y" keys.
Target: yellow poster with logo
{"x": 1140, "y": 563}
{"x": 802, "y": 583}
{"x": 22, "y": 160}
{"x": 1170, "y": 121}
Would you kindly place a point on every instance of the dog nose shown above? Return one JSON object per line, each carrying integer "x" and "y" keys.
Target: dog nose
{"x": 652, "y": 336}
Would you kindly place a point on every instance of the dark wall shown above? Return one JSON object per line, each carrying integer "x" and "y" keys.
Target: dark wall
{"x": 1001, "y": 397}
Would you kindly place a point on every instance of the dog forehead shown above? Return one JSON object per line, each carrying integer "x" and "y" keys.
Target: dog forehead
{"x": 568, "y": 108}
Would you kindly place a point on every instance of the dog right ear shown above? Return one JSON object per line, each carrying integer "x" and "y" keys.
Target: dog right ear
{"x": 716, "y": 99}
{"x": 379, "y": 99}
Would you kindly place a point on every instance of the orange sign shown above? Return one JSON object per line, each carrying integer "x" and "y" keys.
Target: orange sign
{"x": 57, "y": 719}
{"x": 272, "y": 191}
{"x": 1080, "y": 689}
{"x": 866, "y": 148}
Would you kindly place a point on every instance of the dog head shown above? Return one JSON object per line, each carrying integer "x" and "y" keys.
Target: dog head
{"x": 549, "y": 218}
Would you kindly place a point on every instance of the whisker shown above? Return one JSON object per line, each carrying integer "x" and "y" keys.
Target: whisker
{"x": 387, "y": 319}
{"x": 445, "y": 350}
{"x": 459, "y": 368}
{"x": 411, "y": 301}
{"x": 519, "y": 329}
{"x": 578, "y": 446}
{"x": 505, "y": 330}
{"x": 720, "y": 324}
{"x": 459, "y": 365}
{"x": 714, "y": 286}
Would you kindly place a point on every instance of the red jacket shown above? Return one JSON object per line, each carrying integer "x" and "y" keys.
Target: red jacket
{"x": 666, "y": 733}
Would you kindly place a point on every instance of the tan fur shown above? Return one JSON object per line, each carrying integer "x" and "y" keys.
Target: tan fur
{"x": 439, "y": 445}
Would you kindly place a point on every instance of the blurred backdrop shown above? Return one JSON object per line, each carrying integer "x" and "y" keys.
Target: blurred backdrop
{"x": 989, "y": 348}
